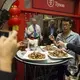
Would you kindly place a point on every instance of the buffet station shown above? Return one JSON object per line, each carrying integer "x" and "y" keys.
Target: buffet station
{"x": 39, "y": 62}
{"x": 43, "y": 62}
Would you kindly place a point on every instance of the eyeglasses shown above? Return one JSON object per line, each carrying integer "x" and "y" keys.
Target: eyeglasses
{"x": 65, "y": 24}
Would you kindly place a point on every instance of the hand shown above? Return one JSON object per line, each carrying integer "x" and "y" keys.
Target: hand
{"x": 61, "y": 49}
{"x": 8, "y": 48}
{"x": 41, "y": 38}
{"x": 51, "y": 37}
{"x": 60, "y": 43}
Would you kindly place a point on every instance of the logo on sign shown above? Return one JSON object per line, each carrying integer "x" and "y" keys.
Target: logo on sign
{"x": 50, "y": 3}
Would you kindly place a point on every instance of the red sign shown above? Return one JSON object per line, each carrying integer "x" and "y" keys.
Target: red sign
{"x": 66, "y": 6}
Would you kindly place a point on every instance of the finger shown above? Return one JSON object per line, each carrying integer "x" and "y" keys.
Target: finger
{"x": 58, "y": 43}
{"x": 14, "y": 44}
{"x": 19, "y": 44}
{"x": 13, "y": 35}
{"x": 2, "y": 39}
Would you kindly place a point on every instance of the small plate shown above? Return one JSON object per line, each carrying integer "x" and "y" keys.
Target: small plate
{"x": 29, "y": 52}
{"x": 60, "y": 58}
{"x": 54, "y": 47}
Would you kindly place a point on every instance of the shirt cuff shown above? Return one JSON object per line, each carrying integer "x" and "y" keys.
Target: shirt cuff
{"x": 7, "y": 75}
{"x": 65, "y": 45}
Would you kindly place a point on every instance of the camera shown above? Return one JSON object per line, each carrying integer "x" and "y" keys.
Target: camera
{"x": 4, "y": 33}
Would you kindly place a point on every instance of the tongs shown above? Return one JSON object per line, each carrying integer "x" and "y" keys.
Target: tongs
{"x": 41, "y": 49}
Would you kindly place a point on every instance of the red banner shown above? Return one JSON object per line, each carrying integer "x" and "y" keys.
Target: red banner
{"x": 66, "y": 6}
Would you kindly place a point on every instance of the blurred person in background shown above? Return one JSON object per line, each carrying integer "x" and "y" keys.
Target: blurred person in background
{"x": 34, "y": 32}
{"x": 51, "y": 31}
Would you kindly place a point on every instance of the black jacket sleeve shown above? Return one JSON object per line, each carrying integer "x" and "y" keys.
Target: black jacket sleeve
{"x": 74, "y": 48}
{"x": 7, "y": 75}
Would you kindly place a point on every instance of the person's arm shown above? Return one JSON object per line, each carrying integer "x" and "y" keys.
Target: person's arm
{"x": 8, "y": 48}
{"x": 74, "y": 48}
{"x": 6, "y": 72}
{"x": 7, "y": 75}
{"x": 70, "y": 46}
{"x": 41, "y": 37}
{"x": 30, "y": 30}
{"x": 51, "y": 37}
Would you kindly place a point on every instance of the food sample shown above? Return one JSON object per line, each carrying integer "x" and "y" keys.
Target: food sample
{"x": 58, "y": 53}
{"x": 36, "y": 55}
{"x": 49, "y": 48}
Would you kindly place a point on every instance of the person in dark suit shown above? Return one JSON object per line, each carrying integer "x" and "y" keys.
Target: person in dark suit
{"x": 74, "y": 48}
{"x": 49, "y": 31}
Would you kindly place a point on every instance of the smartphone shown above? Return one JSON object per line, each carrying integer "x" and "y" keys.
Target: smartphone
{"x": 4, "y": 33}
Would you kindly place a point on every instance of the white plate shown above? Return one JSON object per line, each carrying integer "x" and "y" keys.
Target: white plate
{"x": 42, "y": 46}
{"x": 46, "y": 61}
{"x": 29, "y": 52}
{"x": 47, "y": 50}
{"x": 20, "y": 54}
{"x": 59, "y": 58}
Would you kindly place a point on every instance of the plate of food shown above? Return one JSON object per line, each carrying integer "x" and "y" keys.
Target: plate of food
{"x": 59, "y": 54}
{"x": 50, "y": 48}
{"x": 36, "y": 56}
